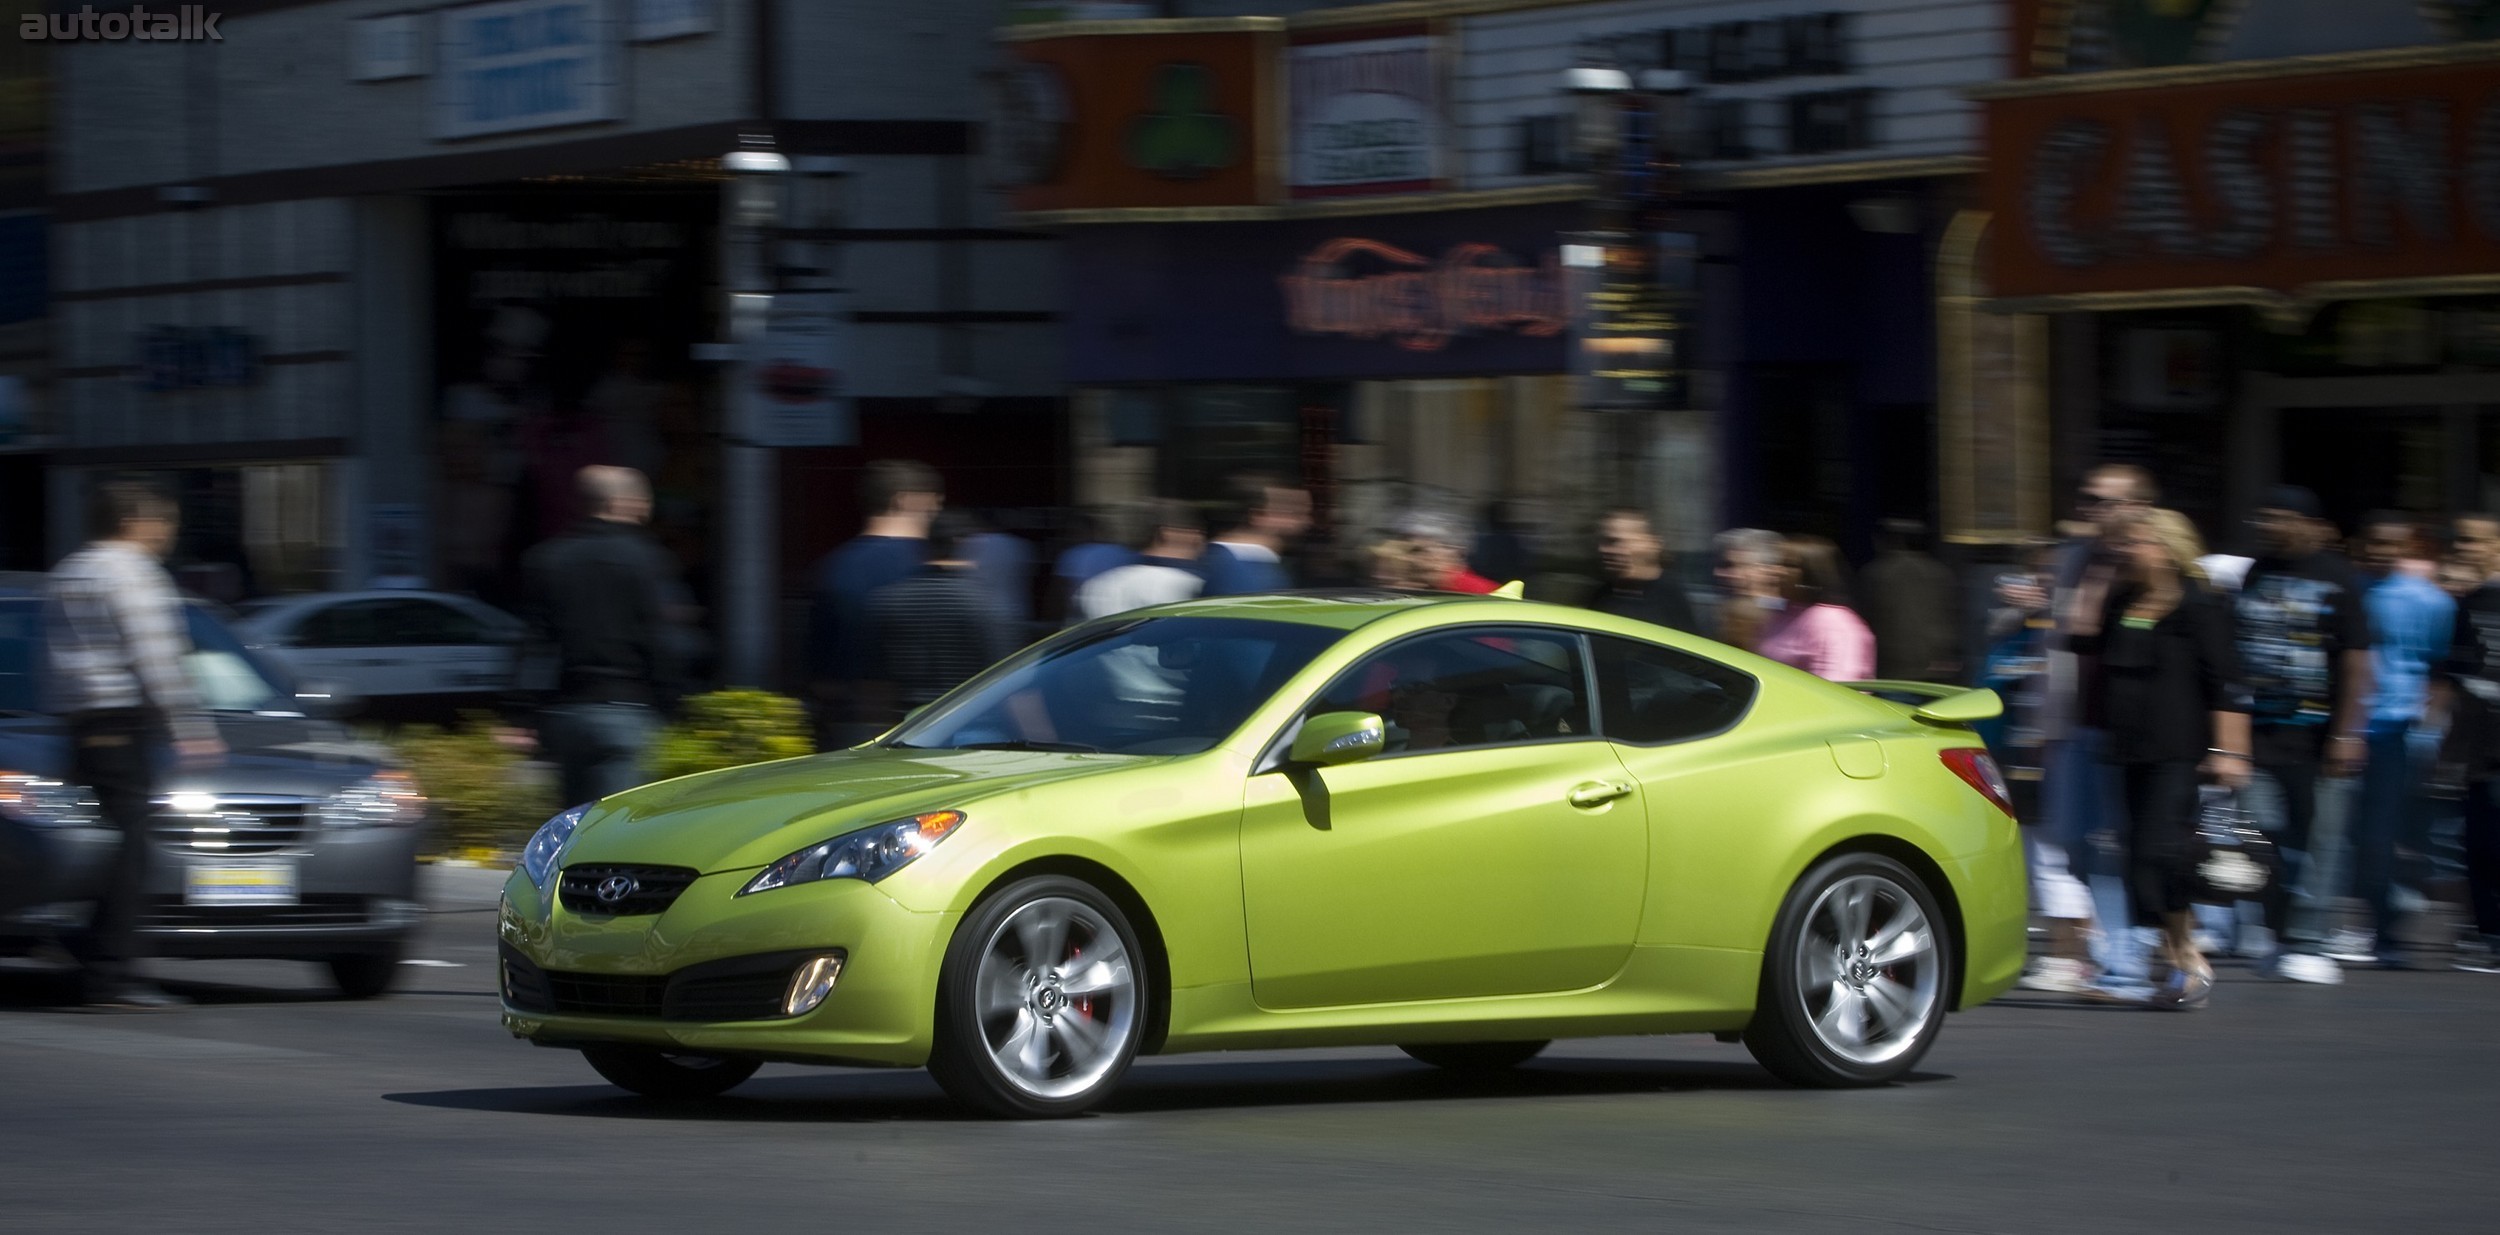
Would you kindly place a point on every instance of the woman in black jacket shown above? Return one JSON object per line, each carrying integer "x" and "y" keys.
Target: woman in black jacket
{"x": 2166, "y": 686}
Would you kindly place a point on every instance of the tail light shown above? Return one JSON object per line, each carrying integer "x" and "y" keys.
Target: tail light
{"x": 1979, "y": 771}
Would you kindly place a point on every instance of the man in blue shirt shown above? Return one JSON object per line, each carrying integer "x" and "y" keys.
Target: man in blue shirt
{"x": 900, "y": 497}
{"x": 2414, "y": 625}
{"x": 1262, "y": 517}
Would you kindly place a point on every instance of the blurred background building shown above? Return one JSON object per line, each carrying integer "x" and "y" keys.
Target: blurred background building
{"x": 25, "y": 428}
{"x": 373, "y": 279}
{"x": 2262, "y": 241}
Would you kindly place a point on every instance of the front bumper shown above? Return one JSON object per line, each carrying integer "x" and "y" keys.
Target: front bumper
{"x": 355, "y": 892}
{"x": 879, "y": 1013}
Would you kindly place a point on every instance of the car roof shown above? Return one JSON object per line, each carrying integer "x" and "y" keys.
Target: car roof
{"x": 1338, "y": 608}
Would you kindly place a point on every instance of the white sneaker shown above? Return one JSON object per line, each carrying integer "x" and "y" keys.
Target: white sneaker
{"x": 2303, "y": 967}
{"x": 2352, "y": 947}
{"x": 2059, "y": 975}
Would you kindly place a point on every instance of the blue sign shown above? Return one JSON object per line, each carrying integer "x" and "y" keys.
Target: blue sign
{"x": 527, "y": 64}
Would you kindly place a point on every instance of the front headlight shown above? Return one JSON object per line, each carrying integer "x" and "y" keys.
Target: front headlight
{"x": 388, "y": 798}
{"x": 869, "y": 854}
{"x": 45, "y": 802}
{"x": 538, "y": 861}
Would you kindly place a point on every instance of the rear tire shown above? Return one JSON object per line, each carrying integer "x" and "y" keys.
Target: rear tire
{"x": 364, "y": 975}
{"x": 1854, "y": 981}
{"x": 1041, "y": 1002}
{"x": 1475, "y": 1058}
{"x": 670, "y": 1076}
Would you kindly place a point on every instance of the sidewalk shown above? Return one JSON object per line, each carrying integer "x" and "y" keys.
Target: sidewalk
{"x": 446, "y": 888}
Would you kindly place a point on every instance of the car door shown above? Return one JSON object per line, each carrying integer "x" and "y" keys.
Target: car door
{"x": 1495, "y": 847}
{"x": 449, "y": 651}
{"x": 340, "y": 644}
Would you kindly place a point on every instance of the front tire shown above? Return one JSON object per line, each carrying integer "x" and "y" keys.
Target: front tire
{"x": 364, "y": 975}
{"x": 671, "y": 1076}
{"x": 1041, "y": 1002}
{"x": 1475, "y": 1058}
{"x": 1853, "y": 984}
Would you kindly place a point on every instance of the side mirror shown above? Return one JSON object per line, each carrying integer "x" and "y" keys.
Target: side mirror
{"x": 1331, "y": 738}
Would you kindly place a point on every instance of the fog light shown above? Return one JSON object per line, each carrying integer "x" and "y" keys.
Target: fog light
{"x": 810, "y": 985}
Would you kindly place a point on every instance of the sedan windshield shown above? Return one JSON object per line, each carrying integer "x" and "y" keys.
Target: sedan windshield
{"x": 1152, "y": 686}
{"x": 227, "y": 678}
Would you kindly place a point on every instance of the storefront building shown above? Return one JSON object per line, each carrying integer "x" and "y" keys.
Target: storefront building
{"x": 1356, "y": 263}
{"x": 371, "y": 280}
{"x": 2258, "y": 243}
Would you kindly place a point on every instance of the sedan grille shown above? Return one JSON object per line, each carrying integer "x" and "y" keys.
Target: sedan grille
{"x": 171, "y": 913}
{"x": 741, "y": 988}
{"x": 621, "y": 891}
{"x": 235, "y": 824}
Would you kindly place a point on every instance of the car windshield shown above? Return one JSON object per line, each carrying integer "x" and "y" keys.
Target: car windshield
{"x": 226, "y": 677}
{"x": 1150, "y": 686}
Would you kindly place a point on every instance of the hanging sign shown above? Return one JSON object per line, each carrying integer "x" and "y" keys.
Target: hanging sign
{"x": 1367, "y": 116}
{"x": 797, "y": 387}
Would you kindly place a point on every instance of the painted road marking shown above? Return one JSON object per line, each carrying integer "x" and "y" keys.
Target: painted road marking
{"x": 133, "y": 1044}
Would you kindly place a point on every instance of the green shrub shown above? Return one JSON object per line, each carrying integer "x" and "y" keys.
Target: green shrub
{"x": 728, "y": 728}
{"x": 482, "y": 792}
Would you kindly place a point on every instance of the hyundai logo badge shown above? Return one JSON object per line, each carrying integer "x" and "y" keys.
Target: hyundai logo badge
{"x": 616, "y": 888}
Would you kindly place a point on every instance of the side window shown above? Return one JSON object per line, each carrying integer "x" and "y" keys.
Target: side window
{"x": 356, "y": 624}
{"x": 1653, "y": 694}
{"x": 1481, "y": 686}
{"x": 426, "y": 623}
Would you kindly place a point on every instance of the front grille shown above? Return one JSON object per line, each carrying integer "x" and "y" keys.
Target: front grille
{"x": 170, "y": 913}
{"x": 741, "y": 988}
{"x": 653, "y": 888}
{"x": 237, "y": 825}
{"x": 606, "y": 994}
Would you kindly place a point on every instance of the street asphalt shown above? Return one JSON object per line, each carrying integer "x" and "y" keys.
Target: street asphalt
{"x": 270, "y": 1106}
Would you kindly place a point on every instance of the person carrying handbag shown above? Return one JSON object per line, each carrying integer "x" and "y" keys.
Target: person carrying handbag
{"x": 2168, "y": 689}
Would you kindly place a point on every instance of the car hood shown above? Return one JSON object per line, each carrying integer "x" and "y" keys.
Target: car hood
{"x": 746, "y": 817}
{"x": 283, "y": 756}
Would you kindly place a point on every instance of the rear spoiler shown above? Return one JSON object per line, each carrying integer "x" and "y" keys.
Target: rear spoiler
{"x": 1935, "y": 704}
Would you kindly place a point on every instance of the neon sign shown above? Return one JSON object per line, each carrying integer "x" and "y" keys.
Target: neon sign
{"x": 1365, "y": 289}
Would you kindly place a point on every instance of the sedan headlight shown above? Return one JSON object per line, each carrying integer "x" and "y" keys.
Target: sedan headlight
{"x": 538, "y": 861}
{"x": 45, "y": 802}
{"x": 868, "y": 855}
{"x": 388, "y": 798}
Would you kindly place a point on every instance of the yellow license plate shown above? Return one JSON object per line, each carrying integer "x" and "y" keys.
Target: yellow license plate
{"x": 254, "y": 883}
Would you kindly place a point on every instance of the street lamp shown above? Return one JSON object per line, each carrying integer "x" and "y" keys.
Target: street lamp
{"x": 752, "y": 204}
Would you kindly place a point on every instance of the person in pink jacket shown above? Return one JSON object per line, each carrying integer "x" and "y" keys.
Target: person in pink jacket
{"x": 1813, "y": 628}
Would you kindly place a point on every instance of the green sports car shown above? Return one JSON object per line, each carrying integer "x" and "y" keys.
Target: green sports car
{"x": 1463, "y": 826}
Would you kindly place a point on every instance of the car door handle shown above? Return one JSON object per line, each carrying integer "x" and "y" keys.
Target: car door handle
{"x": 1598, "y": 793}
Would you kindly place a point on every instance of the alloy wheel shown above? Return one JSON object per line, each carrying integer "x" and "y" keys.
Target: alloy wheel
{"x": 1056, "y": 997}
{"x": 1868, "y": 969}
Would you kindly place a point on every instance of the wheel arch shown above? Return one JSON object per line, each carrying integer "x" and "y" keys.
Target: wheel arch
{"x": 1938, "y": 884}
{"x": 1141, "y": 919}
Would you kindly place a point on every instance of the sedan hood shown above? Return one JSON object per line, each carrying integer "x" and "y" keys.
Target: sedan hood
{"x": 741, "y": 818}
{"x": 284, "y": 756}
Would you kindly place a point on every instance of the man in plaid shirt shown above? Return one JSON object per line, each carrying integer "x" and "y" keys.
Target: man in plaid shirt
{"x": 116, "y": 638}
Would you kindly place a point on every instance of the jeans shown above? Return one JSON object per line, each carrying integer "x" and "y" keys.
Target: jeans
{"x": 599, "y": 747}
{"x": 2074, "y": 803}
{"x": 117, "y": 754}
{"x": 2482, "y": 854}
{"x": 2391, "y": 815}
{"x": 2305, "y": 815}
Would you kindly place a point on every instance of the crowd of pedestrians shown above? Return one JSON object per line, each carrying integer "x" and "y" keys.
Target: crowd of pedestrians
{"x": 2330, "y": 707}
